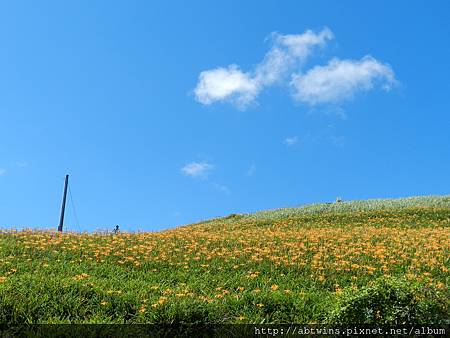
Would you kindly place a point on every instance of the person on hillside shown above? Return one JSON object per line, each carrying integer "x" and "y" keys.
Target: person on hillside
{"x": 116, "y": 229}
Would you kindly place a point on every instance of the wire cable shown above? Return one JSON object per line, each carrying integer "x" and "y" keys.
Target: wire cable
{"x": 73, "y": 208}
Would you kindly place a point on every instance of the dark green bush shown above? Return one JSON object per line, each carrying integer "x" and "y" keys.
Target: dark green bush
{"x": 391, "y": 301}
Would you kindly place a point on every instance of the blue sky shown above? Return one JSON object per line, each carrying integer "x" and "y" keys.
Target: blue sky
{"x": 166, "y": 113}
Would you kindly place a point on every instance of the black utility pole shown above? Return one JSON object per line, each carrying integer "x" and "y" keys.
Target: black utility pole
{"x": 63, "y": 206}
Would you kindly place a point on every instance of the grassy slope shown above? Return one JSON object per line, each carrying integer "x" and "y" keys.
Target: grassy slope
{"x": 285, "y": 265}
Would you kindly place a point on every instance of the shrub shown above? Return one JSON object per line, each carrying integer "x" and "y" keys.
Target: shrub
{"x": 390, "y": 301}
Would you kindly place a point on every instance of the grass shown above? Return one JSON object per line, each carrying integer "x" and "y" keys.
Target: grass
{"x": 383, "y": 261}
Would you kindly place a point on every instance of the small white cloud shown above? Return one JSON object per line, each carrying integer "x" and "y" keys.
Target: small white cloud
{"x": 230, "y": 84}
{"x": 3, "y": 171}
{"x": 226, "y": 84}
{"x": 197, "y": 169}
{"x": 290, "y": 141}
{"x": 340, "y": 80}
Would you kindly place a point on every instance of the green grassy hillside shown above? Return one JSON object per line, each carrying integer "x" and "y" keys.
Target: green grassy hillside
{"x": 375, "y": 261}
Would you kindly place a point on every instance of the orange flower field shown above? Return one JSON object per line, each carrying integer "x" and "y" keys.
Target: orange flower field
{"x": 242, "y": 268}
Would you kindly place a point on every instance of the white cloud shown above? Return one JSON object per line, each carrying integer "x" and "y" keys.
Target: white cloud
{"x": 233, "y": 85}
{"x": 290, "y": 141}
{"x": 3, "y": 171}
{"x": 288, "y": 51}
{"x": 226, "y": 84}
{"x": 340, "y": 80}
{"x": 197, "y": 169}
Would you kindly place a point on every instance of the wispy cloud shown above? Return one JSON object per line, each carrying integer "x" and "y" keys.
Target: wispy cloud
{"x": 22, "y": 164}
{"x": 288, "y": 51}
{"x": 197, "y": 169}
{"x": 338, "y": 141}
{"x": 201, "y": 170}
{"x": 3, "y": 171}
{"x": 251, "y": 170}
{"x": 221, "y": 188}
{"x": 340, "y": 80}
{"x": 231, "y": 84}
{"x": 290, "y": 141}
